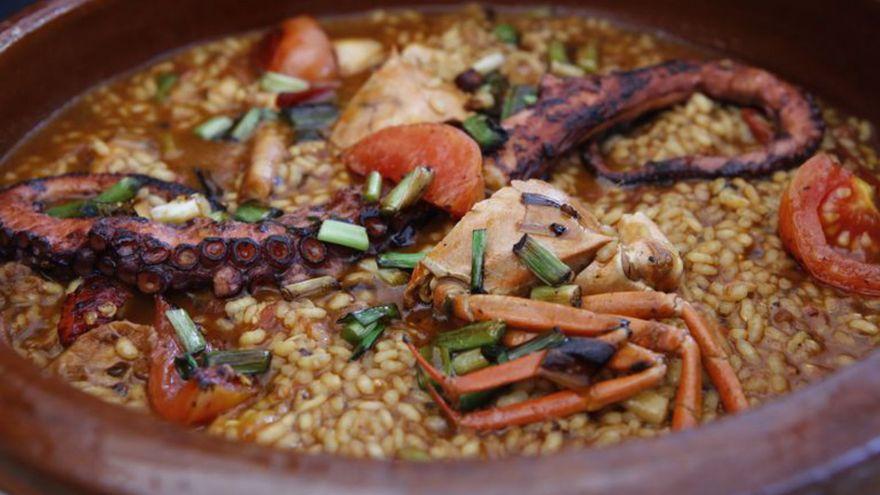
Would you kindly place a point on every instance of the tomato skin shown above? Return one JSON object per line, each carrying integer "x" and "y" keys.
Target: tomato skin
{"x": 299, "y": 48}
{"x": 454, "y": 157}
{"x": 803, "y": 235}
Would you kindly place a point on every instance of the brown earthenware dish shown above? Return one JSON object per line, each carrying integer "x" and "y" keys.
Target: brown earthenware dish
{"x": 55, "y": 439}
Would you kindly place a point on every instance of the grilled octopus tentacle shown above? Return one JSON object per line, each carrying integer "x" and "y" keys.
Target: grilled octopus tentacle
{"x": 155, "y": 257}
{"x": 571, "y": 111}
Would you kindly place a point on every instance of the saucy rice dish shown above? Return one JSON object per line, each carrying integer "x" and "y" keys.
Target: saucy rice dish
{"x": 468, "y": 233}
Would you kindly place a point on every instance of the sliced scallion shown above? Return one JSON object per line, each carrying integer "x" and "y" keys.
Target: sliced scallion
{"x": 369, "y": 315}
{"x": 186, "y": 366}
{"x": 247, "y": 361}
{"x": 506, "y": 34}
{"x": 517, "y": 98}
{"x": 344, "y": 234}
{"x": 253, "y": 212}
{"x": 478, "y": 253}
{"x": 309, "y": 119}
{"x": 246, "y": 125}
{"x": 311, "y": 287}
{"x": 485, "y": 131}
{"x": 570, "y": 295}
{"x": 164, "y": 82}
{"x": 407, "y": 191}
{"x": 374, "y": 331}
{"x": 353, "y": 332}
{"x": 475, "y": 335}
{"x": 557, "y": 52}
{"x": 373, "y": 187}
{"x": 541, "y": 261}
{"x": 72, "y": 209}
{"x": 468, "y": 361}
{"x": 405, "y": 261}
{"x": 188, "y": 333}
{"x": 587, "y": 56}
{"x": 275, "y": 82}
{"x": 102, "y": 204}
{"x": 214, "y": 128}
{"x": 546, "y": 340}
{"x": 474, "y": 400}
{"x": 122, "y": 191}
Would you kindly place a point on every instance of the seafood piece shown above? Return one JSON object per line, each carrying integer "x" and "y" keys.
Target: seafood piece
{"x": 398, "y": 93}
{"x": 645, "y": 259}
{"x": 155, "y": 257}
{"x": 97, "y": 301}
{"x": 268, "y": 153}
{"x": 573, "y": 110}
{"x": 298, "y": 47}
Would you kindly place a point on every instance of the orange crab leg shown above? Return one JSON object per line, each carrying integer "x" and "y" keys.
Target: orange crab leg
{"x": 528, "y": 314}
{"x": 662, "y": 305}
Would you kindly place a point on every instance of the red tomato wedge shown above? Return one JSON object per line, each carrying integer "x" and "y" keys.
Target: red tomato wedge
{"x": 299, "y": 48}
{"x": 454, "y": 157}
{"x": 814, "y": 193}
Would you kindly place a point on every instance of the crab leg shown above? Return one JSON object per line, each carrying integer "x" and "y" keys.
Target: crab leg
{"x": 662, "y": 305}
{"x": 535, "y": 316}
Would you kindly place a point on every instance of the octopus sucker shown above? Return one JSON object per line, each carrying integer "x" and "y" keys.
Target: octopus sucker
{"x": 573, "y": 111}
{"x": 155, "y": 257}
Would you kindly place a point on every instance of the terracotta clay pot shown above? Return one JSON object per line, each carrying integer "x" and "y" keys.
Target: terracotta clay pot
{"x": 54, "y": 439}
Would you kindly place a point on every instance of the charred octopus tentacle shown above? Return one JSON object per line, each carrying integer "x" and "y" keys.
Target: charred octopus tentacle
{"x": 156, "y": 257}
{"x": 571, "y": 111}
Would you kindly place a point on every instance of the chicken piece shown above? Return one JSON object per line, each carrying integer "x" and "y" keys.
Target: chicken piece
{"x": 355, "y": 55}
{"x": 268, "y": 153}
{"x": 645, "y": 260}
{"x": 400, "y": 92}
{"x": 506, "y": 218}
{"x": 114, "y": 357}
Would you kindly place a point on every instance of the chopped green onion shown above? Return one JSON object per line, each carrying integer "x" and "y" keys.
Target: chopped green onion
{"x": 188, "y": 334}
{"x": 309, "y": 119}
{"x": 73, "y": 209}
{"x": 214, "y": 128}
{"x": 557, "y": 52}
{"x": 406, "y": 261}
{"x": 164, "y": 82}
{"x": 474, "y": 400}
{"x": 246, "y": 125}
{"x": 472, "y": 360}
{"x": 369, "y": 315}
{"x": 541, "y": 261}
{"x": 122, "y": 191}
{"x": 478, "y": 253}
{"x": 219, "y": 216}
{"x": 475, "y": 335}
{"x": 546, "y": 340}
{"x": 407, "y": 191}
{"x": 374, "y": 331}
{"x": 570, "y": 295}
{"x": 353, "y": 332}
{"x": 253, "y": 212}
{"x": 247, "y": 361}
{"x": 393, "y": 276}
{"x": 517, "y": 98}
{"x": 485, "y": 131}
{"x": 439, "y": 358}
{"x": 344, "y": 234}
{"x": 587, "y": 56}
{"x": 311, "y": 287}
{"x": 275, "y": 82}
{"x": 506, "y": 34}
{"x": 186, "y": 366}
{"x": 373, "y": 187}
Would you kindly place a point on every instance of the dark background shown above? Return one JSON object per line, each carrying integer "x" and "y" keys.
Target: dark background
{"x": 9, "y": 7}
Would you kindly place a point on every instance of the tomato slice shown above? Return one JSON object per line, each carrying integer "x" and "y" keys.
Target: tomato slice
{"x": 299, "y": 48}
{"x": 454, "y": 157}
{"x": 813, "y": 205}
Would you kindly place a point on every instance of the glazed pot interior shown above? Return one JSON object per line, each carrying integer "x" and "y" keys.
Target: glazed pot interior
{"x": 821, "y": 434}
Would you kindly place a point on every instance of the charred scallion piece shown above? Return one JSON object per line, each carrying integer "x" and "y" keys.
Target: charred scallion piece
{"x": 547, "y": 340}
{"x": 246, "y": 361}
{"x": 246, "y": 125}
{"x": 373, "y": 187}
{"x": 102, "y": 204}
{"x": 478, "y": 253}
{"x": 353, "y": 332}
{"x": 275, "y": 82}
{"x": 71, "y": 209}
{"x": 344, "y": 234}
{"x": 310, "y": 119}
{"x": 214, "y": 128}
{"x": 253, "y": 212}
{"x": 407, "y": 191}
{"x": 164, "y": 82}
{"x": 373, "y": 332}
{"x": 122, "y": 191}
{"x": 517, "y": 98}
{"x": 405, "y": 261}
{"x": 541, "y": 261}
{"x": 186, "y": 366}
{"x": 587, "y": 56}
{"x": 485, "y": 333}
{"x": 570, "y": 295}
{"x": 188, "y": 334}
{"x": 506, "y": 34}
{"x": 370, "y": 315}
{"x": 485, "y": 131}
{"x": 472, "y": 360}
{"x": 362, "y": 328}
{"x": 311, "y": 287}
